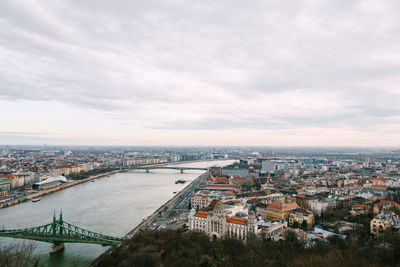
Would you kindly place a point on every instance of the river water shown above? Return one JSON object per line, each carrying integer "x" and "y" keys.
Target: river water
{"x": 112, "y": 205}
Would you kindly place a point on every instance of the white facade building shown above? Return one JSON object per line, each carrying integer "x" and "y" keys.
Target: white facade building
{"x": 200, "y": 200}
{"x": 217, "y": 224}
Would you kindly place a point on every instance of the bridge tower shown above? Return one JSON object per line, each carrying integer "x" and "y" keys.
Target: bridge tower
{"x": 147, "y": 170}
{"x": 181, "y": 170}
{"x": 57, "y": 246}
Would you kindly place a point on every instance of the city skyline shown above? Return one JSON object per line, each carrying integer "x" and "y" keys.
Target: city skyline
{"x": 297, "y": 73}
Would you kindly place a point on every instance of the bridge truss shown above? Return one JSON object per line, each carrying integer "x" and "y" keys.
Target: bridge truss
{"x": 59, "y": 232}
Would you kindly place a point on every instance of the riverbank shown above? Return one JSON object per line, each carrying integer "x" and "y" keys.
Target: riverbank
{"x": 165, "y": 208}
{"x": 84, "y": 180}
{"x": 52, "y": 190}
{"x": 170, "y": 204}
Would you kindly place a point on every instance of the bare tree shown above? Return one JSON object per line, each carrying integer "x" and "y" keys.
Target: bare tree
{"x": 18, "y": 255}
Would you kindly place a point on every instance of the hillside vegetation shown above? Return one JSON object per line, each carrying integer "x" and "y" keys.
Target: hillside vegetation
{"x": 180, "y": 248}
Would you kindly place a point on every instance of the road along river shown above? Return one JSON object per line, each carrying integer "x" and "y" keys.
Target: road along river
{"x": 112, "y": 205}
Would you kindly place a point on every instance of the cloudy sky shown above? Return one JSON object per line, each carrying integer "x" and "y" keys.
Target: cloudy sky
{"x": 211, "y": 72}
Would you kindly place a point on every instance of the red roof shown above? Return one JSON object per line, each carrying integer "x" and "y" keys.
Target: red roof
{"x": 361, "y": 206}
{"x": 66, "y": 166}
{"x": 219, "y": 179}
{"x": 200, "y": 195}
{"x": 385, "y": 201}
{"x": 301, "y": 196}
{"x": 9, "y": 176}
{"x": 378, "y": 180}
{"x": 201, "y": 213}
{"x": 237, "y": 220}
{"x": 219, "y": 185}
{"x": 210, "y": 178}
{"x": 379, "y": 186}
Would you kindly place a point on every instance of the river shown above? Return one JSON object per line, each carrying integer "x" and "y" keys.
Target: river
{"x": 112, "y": 205}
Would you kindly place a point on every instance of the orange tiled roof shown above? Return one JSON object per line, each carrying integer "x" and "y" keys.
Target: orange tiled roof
{"x": 200, "y": 195}
{"x": 378, "y": 180}
{"x": 237, "y": 202}
{"x": 201, "y": 214}
{"x": 237, "y": 220}
{"x": 221, "y": 179}
{"x": 210, "y": 178}
{"x": 301, "y": 196}
{"x": 219, "y": 185}
{"x": 9, "y": 176}
{"x": 361, "y": 206}
{"x": 379, "y": 186}
{"x": 385, "y": 201}
{"x": 66, "y": 166}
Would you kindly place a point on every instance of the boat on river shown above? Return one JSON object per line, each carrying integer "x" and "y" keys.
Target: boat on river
{"x": 35, "y": 199}
{"x": 180, "y": 181}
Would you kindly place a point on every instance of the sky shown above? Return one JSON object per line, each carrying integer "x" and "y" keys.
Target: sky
{"x": 228, "y": 72}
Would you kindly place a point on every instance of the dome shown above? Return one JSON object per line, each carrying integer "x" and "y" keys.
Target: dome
{"x": 241, "y": 214}
{"x": 192, "y": 212}
{"x": 215, "y": 197}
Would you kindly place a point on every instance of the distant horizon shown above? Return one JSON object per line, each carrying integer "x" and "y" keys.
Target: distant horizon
{"x": 195, "y": 146}
{"x": 269, "y": 73}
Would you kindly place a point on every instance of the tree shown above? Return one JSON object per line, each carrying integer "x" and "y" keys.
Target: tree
{"x": 18, "y": 255}
{"x": 304, "y": 225}
{"x": 290, "y": 236}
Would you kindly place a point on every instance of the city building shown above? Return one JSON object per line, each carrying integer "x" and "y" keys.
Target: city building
{"x": 50, "y": 183}
{"x": 384, "y": 221}
{"x": 280, "y": 211}
{"x": 217, "y": 224}
{"x": 15, "y": 180}
{"x": 300, "y": 216}
{"x": 200, "y": 200}
{"x": 3, "y": 192}
{"x": 385, "y": 205}
{"x": 5, "y": 184}
{"x": 358, "y": 209}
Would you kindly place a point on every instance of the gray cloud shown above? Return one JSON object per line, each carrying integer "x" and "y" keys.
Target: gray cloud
{"x": 207, "y": 64}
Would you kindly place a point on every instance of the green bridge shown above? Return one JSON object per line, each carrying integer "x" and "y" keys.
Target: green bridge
{"x": 59, "y": 232}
